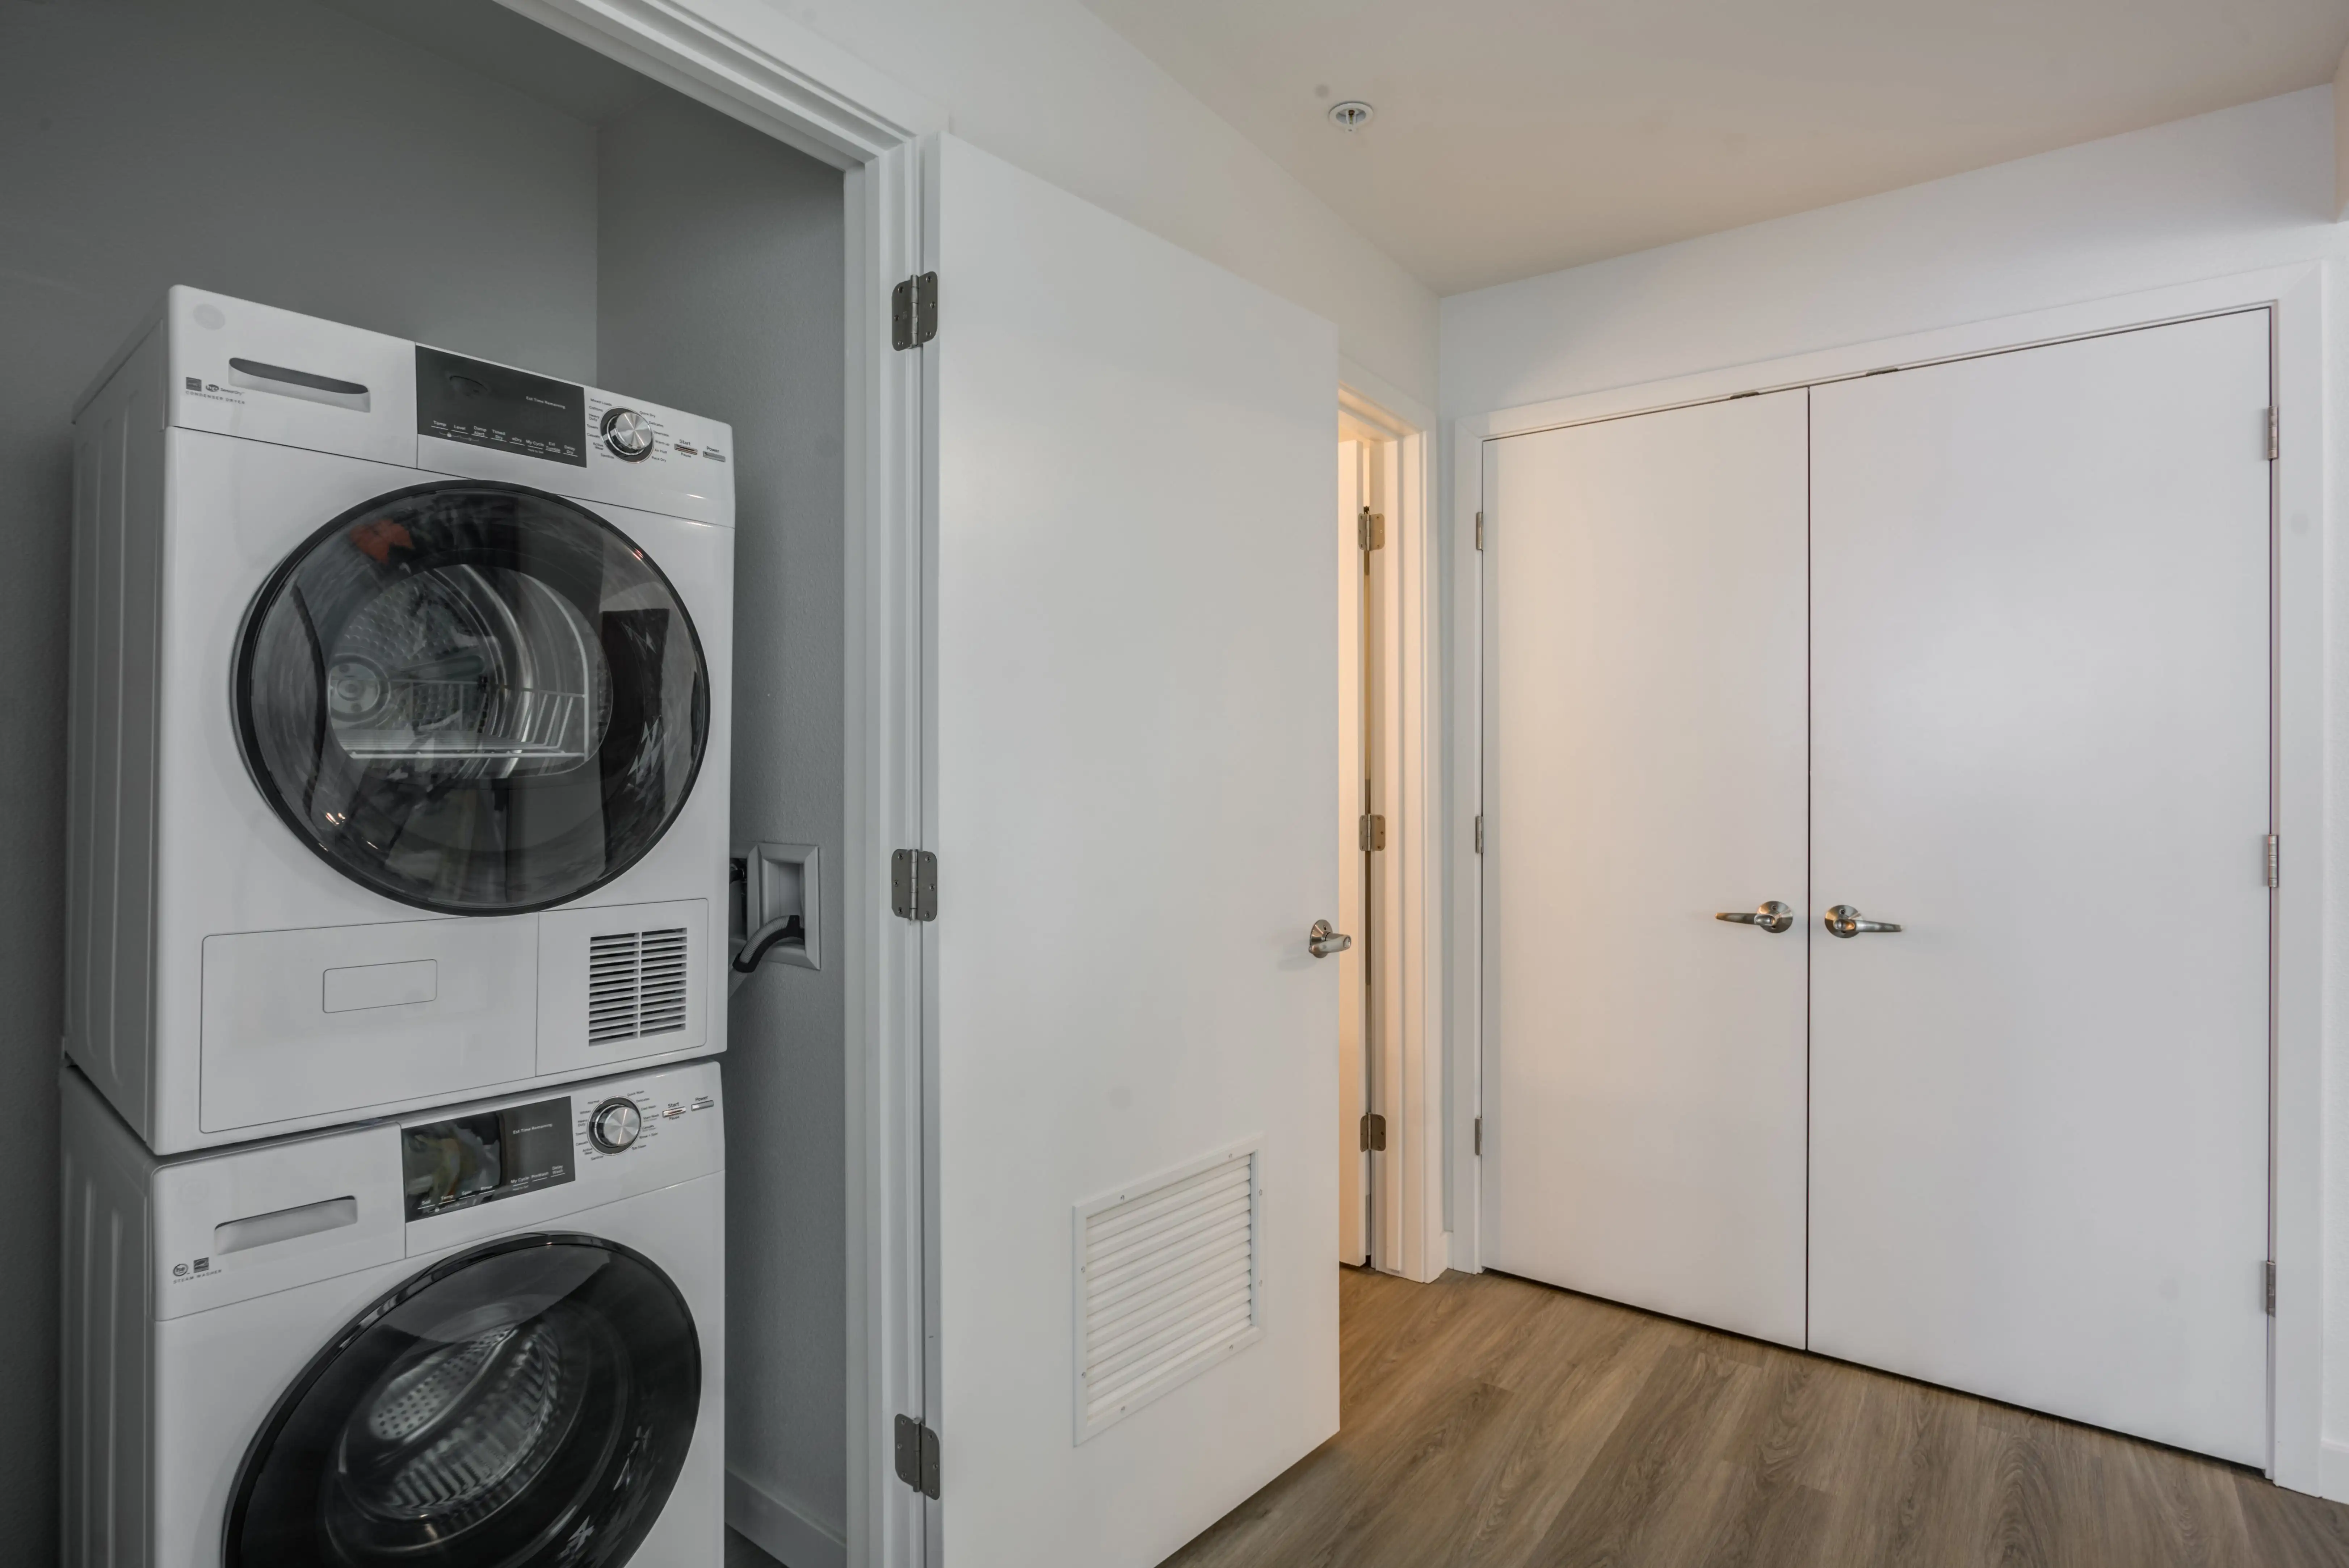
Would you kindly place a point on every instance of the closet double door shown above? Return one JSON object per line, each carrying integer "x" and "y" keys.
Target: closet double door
{"x": 1876, "y": 920}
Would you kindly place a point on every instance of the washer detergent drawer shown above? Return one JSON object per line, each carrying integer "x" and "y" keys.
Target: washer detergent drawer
{"x": 262, "y": 1220}
{"x": 308, "y": 1023}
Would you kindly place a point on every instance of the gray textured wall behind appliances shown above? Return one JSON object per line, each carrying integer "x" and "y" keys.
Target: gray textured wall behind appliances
{"x": 273, "y": 152}
{"x": 722, "y": 291}
{"x": 426, "y": 168}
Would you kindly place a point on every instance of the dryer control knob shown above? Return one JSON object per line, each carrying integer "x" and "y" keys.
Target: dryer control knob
{"x": 614, "y": 1125}
{"x": 628, "y": 435}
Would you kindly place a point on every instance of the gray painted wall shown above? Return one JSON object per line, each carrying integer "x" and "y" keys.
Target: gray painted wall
{"x": 270, "y": 150}
{"x": 722, "y": 293}
{"x": 290, "y": 153}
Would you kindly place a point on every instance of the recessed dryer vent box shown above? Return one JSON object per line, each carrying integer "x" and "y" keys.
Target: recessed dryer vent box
{"x": 778, "y": 914}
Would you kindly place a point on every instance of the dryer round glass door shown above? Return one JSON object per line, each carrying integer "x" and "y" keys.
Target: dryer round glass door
{"x": 527, "y": 1403}
{"x": 472, "y": 697}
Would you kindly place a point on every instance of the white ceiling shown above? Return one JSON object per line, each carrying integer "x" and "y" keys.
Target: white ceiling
{"x": 1517, "y": 136}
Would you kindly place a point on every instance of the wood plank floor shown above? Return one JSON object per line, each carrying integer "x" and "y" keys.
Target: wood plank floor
{"x": 1489, "y": 1422}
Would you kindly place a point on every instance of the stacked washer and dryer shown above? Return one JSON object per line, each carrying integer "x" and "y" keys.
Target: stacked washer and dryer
{"x": 398, "y": 878}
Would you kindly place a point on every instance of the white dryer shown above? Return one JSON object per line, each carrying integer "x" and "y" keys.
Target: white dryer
{"x": 400, "y": 742}
{"x": 490, "y": 1336}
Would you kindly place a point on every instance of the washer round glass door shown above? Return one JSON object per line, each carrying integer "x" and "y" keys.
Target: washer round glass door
{"x": 472, "y": 697}
{"x": 527, "y": 1404}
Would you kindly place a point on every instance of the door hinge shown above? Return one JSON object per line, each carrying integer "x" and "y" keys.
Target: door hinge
{"x": 1480, "y": 834}
{"x": 1371, "y": 529}
{"x": 917, "y": 1456}
{"x": 1479, "y": 1125}
{"x": 913, "y": 311}
{"x": 1374, "y": 831}
{"x": 1374, "y": 1133}
{"x": 2275, "y": 442}
{"x": 2268, "y": 1274}
{"x": 1480, "y": 531}
{"x": 914, "y": 885}
{"x": 2275, "y": 862}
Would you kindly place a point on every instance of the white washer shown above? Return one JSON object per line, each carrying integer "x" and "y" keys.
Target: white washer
{"x": 401, "y": 695}
{"x": 488, "y": 1335}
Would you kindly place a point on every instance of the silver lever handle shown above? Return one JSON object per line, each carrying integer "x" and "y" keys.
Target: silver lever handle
{"x": 1325, "y": 939}
{"x": 1845, "y": 921}
{"x": 1773, "y": 917}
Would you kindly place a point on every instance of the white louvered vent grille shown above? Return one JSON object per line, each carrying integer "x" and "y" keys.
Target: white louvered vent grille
{"x": 660, "y": 1004}
{"x": 635, "y": 985}
{"x": 611, "y": 971}
{"x": 1168, "y": 1284}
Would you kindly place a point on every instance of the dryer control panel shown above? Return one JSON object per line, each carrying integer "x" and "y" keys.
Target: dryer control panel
{"x": 237, "y": 368}
{"x": 493, "y": 421}
{"x": 478, "y": 404}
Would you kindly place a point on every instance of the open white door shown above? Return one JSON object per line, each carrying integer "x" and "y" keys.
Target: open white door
{"x": 1133, "y": 1057}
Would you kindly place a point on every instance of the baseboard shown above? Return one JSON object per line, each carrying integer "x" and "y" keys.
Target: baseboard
{"x": 2333, "y": 1470}
{"x": 778, "y": 1530}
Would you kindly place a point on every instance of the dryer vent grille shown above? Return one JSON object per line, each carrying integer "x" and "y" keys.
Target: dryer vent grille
{"x": 1167, "y": 1283}
{"x": 635, "y": 985}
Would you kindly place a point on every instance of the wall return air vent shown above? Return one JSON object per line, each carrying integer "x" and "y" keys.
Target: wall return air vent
{"x": 635, "y": 985}
{"x": 1168, "y": 1283}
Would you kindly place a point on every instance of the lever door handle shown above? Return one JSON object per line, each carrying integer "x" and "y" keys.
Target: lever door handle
{"x": 1773, "y": 917}
{"x": 1325, "y": 939}
{"x": 1845, "y": 921}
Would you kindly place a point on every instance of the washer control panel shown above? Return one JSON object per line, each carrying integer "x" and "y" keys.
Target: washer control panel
{"x": 368, "y": 1194}
{"x": 463, "y": 1161}
{"x": 624, "y": 1118}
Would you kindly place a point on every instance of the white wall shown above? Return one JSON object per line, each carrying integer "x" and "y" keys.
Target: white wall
{"x": 2225, "y": 193}
{"x": 2243, "y": 188}
{"x": 270, "y": 150}
{"x": 722, "y": 291}
{"x": 1047, "y": 85}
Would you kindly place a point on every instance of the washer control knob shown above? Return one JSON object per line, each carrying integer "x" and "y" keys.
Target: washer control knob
{"x": 628, "y": 435}
{"x": 614, "y": 1125}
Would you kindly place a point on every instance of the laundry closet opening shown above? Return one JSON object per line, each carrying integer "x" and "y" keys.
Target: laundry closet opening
{"x": 452, "y": 173}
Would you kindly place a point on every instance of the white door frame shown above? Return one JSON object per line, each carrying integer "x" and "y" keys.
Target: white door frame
{"x": 746, "y": 60}
{"x": 2296, "y": 1357}
{"x": 1413, "y": 1242}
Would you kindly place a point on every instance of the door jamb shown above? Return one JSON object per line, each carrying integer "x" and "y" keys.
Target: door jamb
{"x": 2298, "y": 1457}
{"x": 751, "y": 62}
{"x": 1412, "y": 1176}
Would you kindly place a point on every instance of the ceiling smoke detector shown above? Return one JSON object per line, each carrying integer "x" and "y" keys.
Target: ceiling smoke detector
{"x": 1352, "y": 115}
